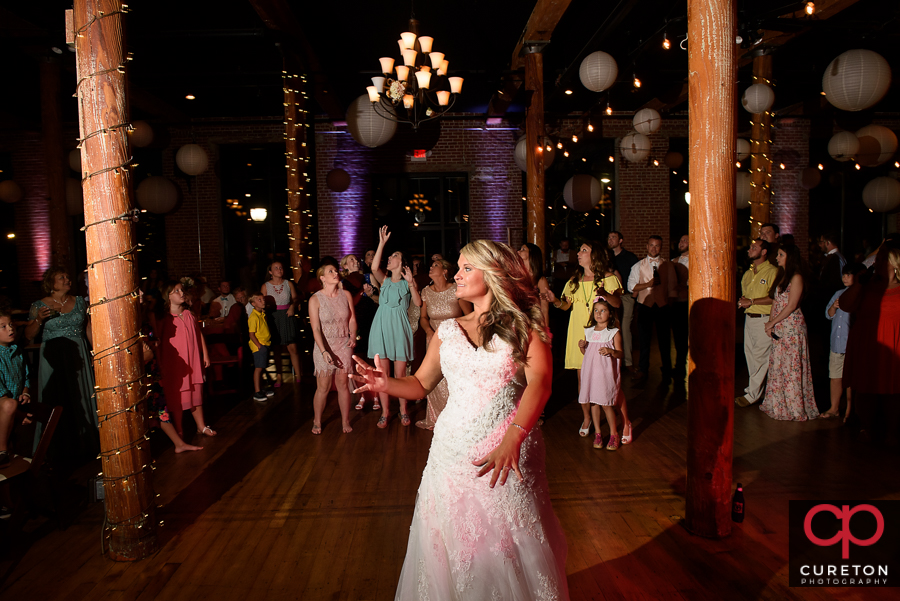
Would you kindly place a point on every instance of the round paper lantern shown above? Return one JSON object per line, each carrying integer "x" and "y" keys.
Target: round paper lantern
{"x": 157, "y": 195}
{"x": 598, "y": 71}
{"x": 743, "y": 189}
{"x": 646, "y": 121}
{"x": 10, "y": 191}
{"x": 74, "y": 197}
{"x": 882, "y": 194}
{"x": 337, "y": 180}
{"x": 877, "y": 144}
{"x": 843, "y": 146}
{"x": 758, "y": 98}
{"x": 742, "y": 149}
{"x": 810, "y": 178}
{"x": 141, "y": 134}
{"x": 75, "y": 160}
{"x": 366, "y": 126}
{"x": 856, "y": 80}
{"x": 192, "y": 159}
{"x": 673, "y": 160}
{"x": 521, "y": 149}
{"x": 582, "y": 192}
{"x": 635, "y": 147}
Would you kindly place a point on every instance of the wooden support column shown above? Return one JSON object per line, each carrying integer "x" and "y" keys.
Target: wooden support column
{"x": 54, "y": 157}
{"x": 761, "y": 155}
{"x": 712, "y": 95}
{"x": 297, "y": 163}
{"x": 534, "y": 157}
{"x": 112, "y": 273}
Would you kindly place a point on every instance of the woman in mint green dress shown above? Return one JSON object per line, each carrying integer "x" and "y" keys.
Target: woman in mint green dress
{"x": 391, "y": 336}
{"x": 65, "y": 374}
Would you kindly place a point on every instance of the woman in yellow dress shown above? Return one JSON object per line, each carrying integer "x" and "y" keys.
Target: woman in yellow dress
{"x": 596, "y": 277}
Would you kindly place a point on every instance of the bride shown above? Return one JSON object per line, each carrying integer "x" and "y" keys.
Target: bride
{"x": 470, "y": 539}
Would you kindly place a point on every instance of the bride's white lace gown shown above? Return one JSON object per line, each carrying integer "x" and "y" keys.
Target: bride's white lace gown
{"x": 467, "y": 540}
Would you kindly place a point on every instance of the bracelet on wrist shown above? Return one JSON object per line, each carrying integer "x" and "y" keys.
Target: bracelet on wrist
{"x": 519, "y": 427}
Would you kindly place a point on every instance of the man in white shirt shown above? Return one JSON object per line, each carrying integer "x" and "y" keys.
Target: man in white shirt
{"x": 222, "y": 303}
{"x": 654, "y": 284}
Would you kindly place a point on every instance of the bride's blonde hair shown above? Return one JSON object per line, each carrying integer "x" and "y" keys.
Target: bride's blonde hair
{"x": 515, "y": 311}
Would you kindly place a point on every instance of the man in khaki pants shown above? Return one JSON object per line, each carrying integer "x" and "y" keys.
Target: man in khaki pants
{"x": 757, "y": 306}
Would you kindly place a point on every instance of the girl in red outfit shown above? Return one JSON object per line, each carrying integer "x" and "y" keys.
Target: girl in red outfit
{"x": 181, "y": 346}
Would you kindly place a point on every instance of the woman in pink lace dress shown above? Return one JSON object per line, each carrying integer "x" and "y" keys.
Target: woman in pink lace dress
{"x": 470, "y": 539}
{"x": 333, "y": 323}
{"x": 789, "y": 392}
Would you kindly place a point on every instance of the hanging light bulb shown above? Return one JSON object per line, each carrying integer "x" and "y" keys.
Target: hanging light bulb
{"x": 566, "y": 153}
{"x": 608, "y": 109}
{"x": 549, "y": 149}
{"x": 666, "y": 43}
{"x": 810, "y": 8}
{"x": 590, "y": 127}
{"x": 559, "y": 145}
{"x": 822, "y": 167}
{"x": 737, "y": 164}
{"x": 575, "y": 139}
{"x": 637, "y": 82}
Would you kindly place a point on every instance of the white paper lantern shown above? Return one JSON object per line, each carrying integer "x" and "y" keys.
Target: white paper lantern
{"x": 856, "y": 80}
{"x": 758, "y": 98}
{"x": 10, "y": 191}
{"x": 882, "y": 194}
{"x": 141, "y": 134}
{"x": 598, "y": 71}
{"x": 366, "y": 126}
{"x": 635, "y": 147}
{"x": 582, "y": 192}
{"x": 157, "y": 195}
{"x": 646, "y": 121}
{"x": 74, "y": 197}
{"x": 743, "y": 190}
{"x": 521, "y": 150}
{"x": 192, "y": 159}
{"x": 843, "y": 146}
{"x": 75, "y": 161}
{"x": 742, "y": 149}
{"x": 877, "y": 152}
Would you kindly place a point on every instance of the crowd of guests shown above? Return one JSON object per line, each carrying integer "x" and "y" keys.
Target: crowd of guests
{"x": 389, "y": 307}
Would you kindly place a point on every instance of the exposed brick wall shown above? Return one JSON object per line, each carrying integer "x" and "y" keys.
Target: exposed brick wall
{"x": 790, "y": 208}
{"x": 486, "y": 155}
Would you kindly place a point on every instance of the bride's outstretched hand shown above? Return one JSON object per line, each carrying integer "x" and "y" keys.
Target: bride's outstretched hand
{"x": 371, "y": 378}
{"x": 504, "y": 458}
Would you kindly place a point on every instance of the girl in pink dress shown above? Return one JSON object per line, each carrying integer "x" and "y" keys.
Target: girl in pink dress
{"x": 180, "y": 348}
{"x": 601, "y": 373}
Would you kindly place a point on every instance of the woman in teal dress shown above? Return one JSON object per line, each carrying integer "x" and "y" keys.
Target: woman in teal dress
{"x": 391, "y": 336}
{"x": 65, "y": 373}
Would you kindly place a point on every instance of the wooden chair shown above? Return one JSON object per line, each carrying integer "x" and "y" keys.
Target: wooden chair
{"x": 225, "y": 350}
{"x": 19, "y": 478}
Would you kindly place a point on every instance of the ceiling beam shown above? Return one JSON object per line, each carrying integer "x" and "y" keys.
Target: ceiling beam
{"x": 543, "y": 20}
{"x": 278, "y": 16}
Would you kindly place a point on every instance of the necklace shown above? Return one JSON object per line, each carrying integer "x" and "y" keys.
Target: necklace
{"x": 584, "y": 293}
{"x": 61, "y": 304}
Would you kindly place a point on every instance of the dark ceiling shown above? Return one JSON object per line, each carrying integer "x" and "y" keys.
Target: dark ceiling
{"x": 231, "y": 60}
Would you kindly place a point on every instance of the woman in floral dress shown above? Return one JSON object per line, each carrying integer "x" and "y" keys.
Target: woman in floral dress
{"x": 789, "y": 392}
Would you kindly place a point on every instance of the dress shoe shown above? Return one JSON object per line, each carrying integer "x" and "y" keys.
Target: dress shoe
{"x": 742, "y": 401}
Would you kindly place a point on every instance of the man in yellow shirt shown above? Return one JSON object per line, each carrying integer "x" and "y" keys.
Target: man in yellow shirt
{"x": 757, "y": 305}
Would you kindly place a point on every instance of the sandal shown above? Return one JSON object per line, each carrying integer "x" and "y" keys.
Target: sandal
{"x": 404, "y": 419}
{"x": 361, "y": 404}
{"x": 317, "y": 428}
{"x": 613, "y": 443}
{"x": 376, "y": 406}
{"x": 584, "y": 431}
{"x": 382, "y": 422}
{"x": 630, "y": 437}
{"x": 828, "y": 415}
{"x": 208, "y": 431}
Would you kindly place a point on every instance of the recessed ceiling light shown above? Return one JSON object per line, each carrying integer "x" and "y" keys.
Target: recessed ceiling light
{"x": 190, "y": 97}
{"x": 569, "y": 92}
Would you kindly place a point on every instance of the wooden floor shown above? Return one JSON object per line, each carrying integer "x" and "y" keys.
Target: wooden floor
{"x": 268, "y": 511}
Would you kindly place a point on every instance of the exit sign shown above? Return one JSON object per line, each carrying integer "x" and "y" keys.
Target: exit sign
{"x": 419, "y": 155}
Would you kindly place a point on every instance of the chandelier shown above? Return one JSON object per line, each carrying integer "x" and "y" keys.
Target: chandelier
{"x": 417, "y": 90}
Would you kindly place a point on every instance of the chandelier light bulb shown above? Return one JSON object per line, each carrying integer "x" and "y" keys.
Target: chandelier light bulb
{"x": 387, "y": 65}
{"x": 445, "y": 65}
{"x": 378, "y": 82}
{"x": 810, "y": 8}
{"x": 409, "y": 57}
{"x": 455, "y": 84}
{"x": 402, "y": 73}
{"x": 425, "y": 43}
{"x": 373, "y": 93}
{"x": 424, "y": 79}
{"x": 436, "y": 59}
{"x": 408, "y": 101}
{"x": 409, "y": 39}
{"x": 443, "y": 98}
{"x": 402, "y": 45}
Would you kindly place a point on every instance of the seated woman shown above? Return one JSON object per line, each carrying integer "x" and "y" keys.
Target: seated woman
{"x": 65, "y": 373}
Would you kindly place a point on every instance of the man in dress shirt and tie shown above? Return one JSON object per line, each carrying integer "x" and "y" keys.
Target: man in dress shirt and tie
{"x": 757, "y": 305}
{"x": 654, "y": 284}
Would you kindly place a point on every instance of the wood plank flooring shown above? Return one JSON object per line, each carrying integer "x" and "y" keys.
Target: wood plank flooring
{"x": 268, "y": 511}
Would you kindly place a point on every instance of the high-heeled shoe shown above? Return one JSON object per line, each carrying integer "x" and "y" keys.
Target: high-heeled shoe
{"x": 361, "y": 404}
{"x": 630, "y": 437}
{"x": 585, "y": 430}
